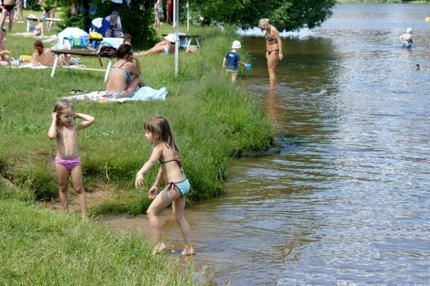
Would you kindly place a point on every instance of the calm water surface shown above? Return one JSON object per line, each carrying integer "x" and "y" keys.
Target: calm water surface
{"x": 346, "y": 201}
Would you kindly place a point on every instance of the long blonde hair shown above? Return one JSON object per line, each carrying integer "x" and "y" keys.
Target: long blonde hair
{"x": 161, "y": 132}
{"x": 59, "y": 107}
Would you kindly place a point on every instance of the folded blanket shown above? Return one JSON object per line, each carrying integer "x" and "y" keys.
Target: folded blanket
{"x": 142, "y": 94}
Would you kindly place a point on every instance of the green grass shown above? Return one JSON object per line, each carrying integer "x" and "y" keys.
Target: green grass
{"x": 41, "y": 247}
{"x": 213, "y": 120}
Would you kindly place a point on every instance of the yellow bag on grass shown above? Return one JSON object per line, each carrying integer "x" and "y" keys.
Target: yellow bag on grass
{"x": 25, "y": 58}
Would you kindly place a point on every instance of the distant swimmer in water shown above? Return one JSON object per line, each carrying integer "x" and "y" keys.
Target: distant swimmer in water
{"x": 426, "y": 68}
{"x": 406, "y": 38}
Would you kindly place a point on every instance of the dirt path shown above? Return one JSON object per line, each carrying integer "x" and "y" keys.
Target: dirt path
{"x": 121, "y": 222}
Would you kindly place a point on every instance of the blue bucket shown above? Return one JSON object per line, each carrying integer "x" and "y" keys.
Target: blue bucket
{"x": 84, "y": 40}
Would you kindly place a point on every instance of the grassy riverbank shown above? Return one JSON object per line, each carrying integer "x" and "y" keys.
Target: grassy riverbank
{"x": 41, "y": 247}
{"x": 212, "y": 118}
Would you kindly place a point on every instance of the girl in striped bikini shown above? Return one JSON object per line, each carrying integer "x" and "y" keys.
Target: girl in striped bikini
{"x": 166, "y": 153}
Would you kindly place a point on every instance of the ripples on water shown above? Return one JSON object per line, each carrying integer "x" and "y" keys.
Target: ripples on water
{"x": 346, "y": 201}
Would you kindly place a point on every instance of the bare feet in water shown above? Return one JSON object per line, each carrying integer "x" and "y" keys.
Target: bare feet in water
{"x": 160, "y": 247}
{"x": 187, "y": 252}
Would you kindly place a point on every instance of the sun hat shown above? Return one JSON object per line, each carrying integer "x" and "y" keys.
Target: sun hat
{"x": 170, "y": 38}
{"x": 236, "y": 45}
{"x": 409, "y": 30}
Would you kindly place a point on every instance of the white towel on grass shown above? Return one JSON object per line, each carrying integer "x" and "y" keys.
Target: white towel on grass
{"x": 142, "y": 94}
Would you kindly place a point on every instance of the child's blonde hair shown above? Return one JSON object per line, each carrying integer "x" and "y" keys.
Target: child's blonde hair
{"x": 59, "y": 107}
{"x": 161, "y": 132}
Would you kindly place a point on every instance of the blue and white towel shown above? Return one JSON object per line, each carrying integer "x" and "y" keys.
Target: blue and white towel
{"x": 142, "y": 94}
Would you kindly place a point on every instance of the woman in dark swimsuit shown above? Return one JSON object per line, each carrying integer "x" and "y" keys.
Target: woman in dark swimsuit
{"x": 7, "y": 7}
{"x": 273, "y": 49}
{"x": 49, "y": 11}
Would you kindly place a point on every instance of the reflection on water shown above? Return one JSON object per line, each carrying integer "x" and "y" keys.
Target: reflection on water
{"x": 346, "y": 201}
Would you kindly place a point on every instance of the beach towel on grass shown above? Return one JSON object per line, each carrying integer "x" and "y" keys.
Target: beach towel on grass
{"x": 142, "y": 94}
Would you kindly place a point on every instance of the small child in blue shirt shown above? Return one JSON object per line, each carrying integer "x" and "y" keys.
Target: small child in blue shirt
{"x": 232, "y": 60}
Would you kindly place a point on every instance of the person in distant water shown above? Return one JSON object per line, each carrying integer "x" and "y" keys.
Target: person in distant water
{"x": 4, "y": 54}
{"x": 67, "y": 160}
{"x": 232, "y": 60}
{"x": 273, "y": 49}
{"x": 406, "y": 38}
{"x": 7, "y": 7}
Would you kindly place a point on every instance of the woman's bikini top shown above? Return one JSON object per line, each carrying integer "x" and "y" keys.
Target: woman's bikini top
{"x": 269, "y": 36}
{"x": 126, "y": 73}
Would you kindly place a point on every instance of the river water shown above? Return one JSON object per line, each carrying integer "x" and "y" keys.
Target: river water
{"x": 346, "y": 200}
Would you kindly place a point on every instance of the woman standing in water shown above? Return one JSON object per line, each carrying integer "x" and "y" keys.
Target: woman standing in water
{"x": 273, "y": 49}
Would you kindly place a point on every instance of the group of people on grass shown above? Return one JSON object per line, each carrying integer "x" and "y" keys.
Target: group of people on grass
{"x": 11, "y": 9}
{"x": 123, "y": 80}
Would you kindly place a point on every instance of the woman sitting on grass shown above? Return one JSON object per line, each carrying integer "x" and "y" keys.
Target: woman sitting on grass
{"x": 120, "y": 83}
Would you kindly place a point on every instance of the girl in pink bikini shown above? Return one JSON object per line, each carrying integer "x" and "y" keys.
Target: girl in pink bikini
{"x": 67, "y": 161}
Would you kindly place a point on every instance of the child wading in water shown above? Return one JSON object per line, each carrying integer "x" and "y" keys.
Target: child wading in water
{"x": 166, "y": 153}
{"x": 232, "y": 59}
{"x": 67, "y": 160}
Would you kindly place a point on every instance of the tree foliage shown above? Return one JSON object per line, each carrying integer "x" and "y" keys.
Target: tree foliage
{"x": 136, "y": 18}
{"x": 288, "y": 15}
